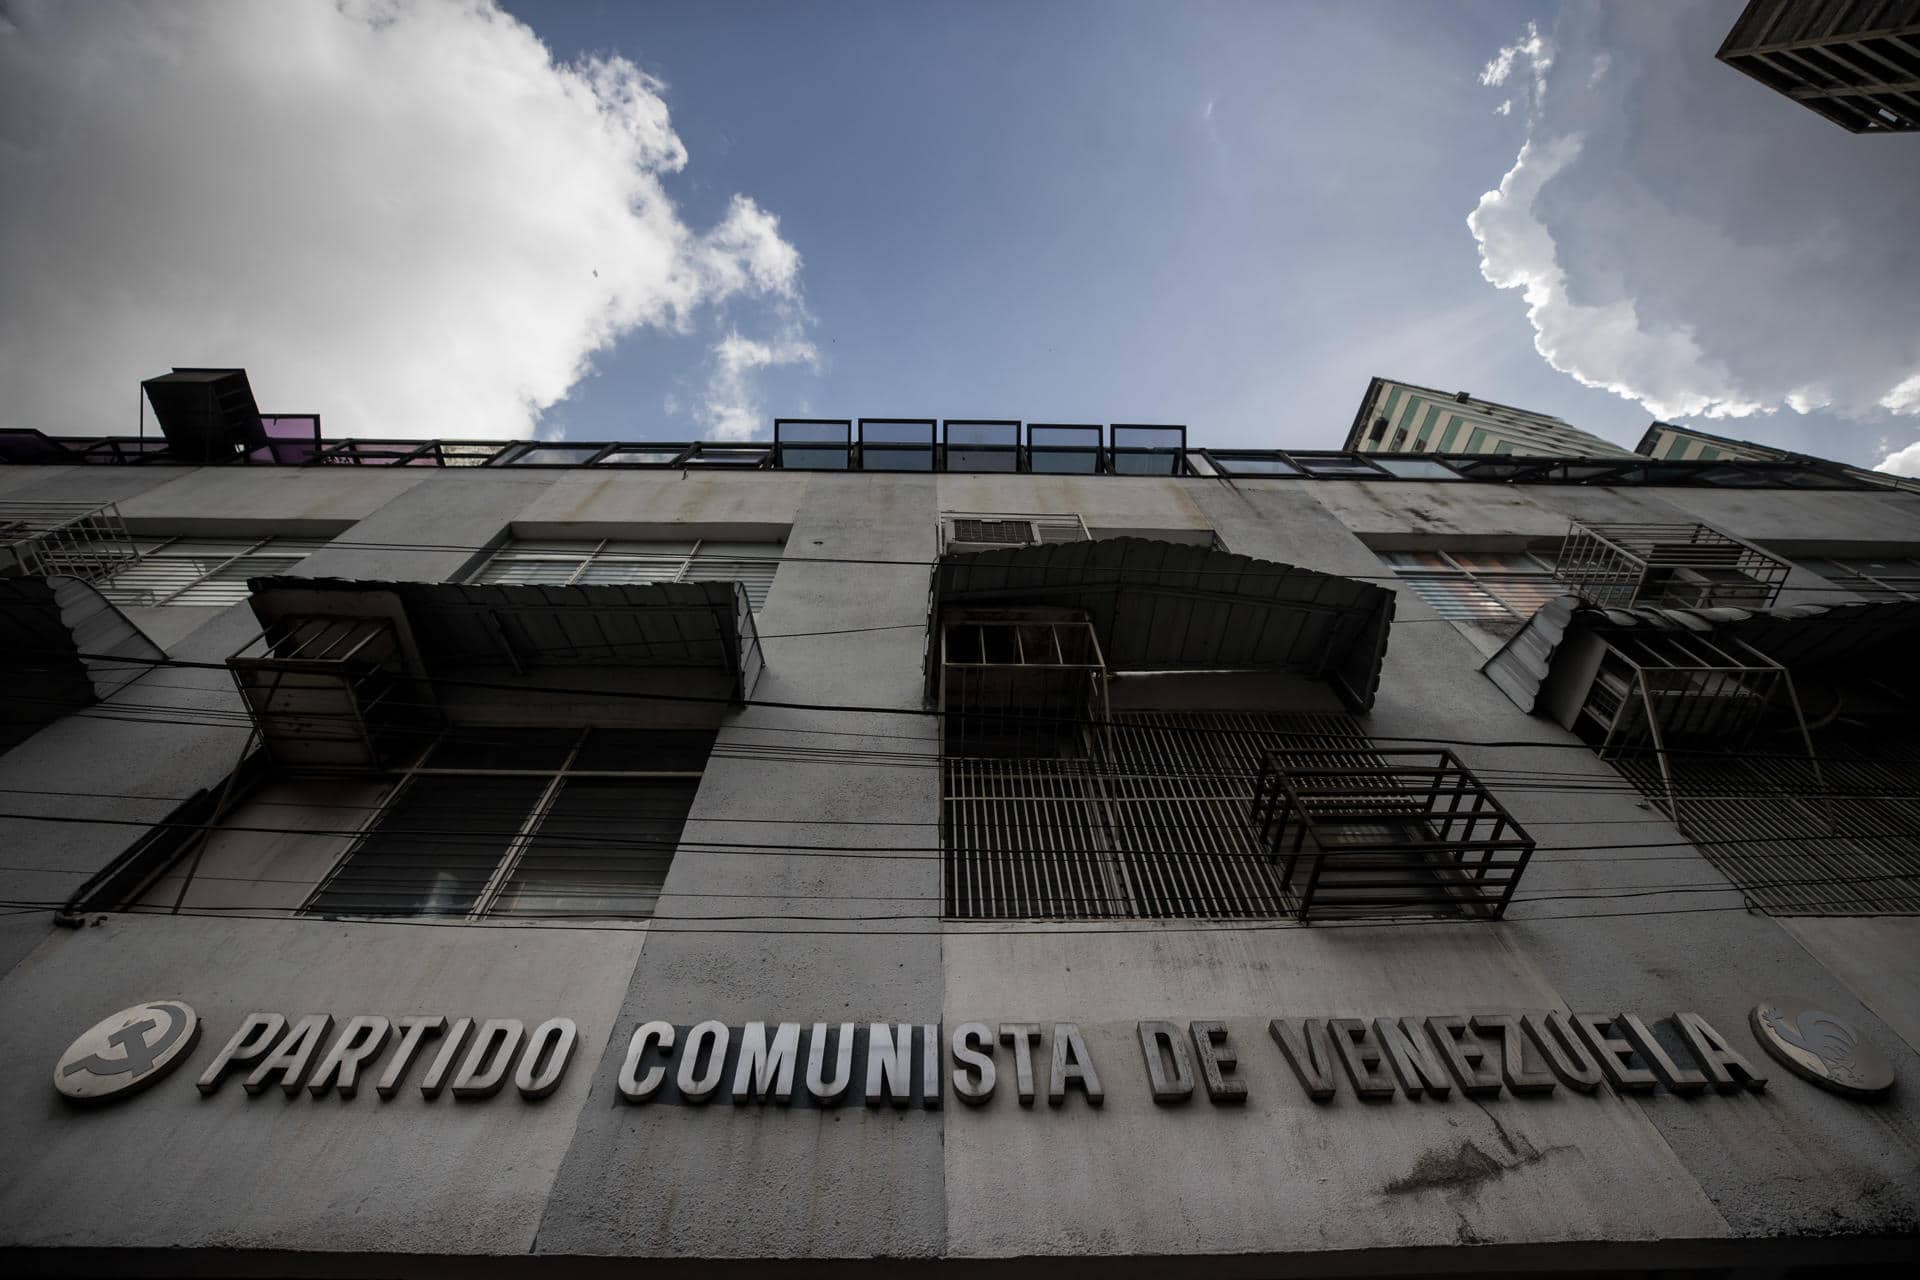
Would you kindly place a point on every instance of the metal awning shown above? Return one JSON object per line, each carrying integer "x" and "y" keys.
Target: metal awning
{"x": 62, "y": 647}
{"x": 445, "y": 626}
{"x": 1792, "y": 635}
{"x": 1165, "y": 606}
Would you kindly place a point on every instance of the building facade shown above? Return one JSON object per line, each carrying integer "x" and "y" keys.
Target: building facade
{"x": 1398, "y": 417}
{"x": 914, "y": 844}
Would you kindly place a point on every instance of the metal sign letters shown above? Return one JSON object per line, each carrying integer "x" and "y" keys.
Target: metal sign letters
{"x": 914, "y": 1065}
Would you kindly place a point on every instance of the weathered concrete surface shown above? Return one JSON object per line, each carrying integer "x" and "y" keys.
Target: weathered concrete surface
{"x": 800, "y": 1182}
{"x": 233, "y": 1171}
{"x": 1282, "y": 1173}
{"x": 1878, "y": 959}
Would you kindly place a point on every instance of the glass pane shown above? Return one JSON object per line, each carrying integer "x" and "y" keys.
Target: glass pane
{"x": 1418, "y": 469}
{"x": 711, "y": 457}
{"x": 1074, "y": 463}
{"x": 1042, "y": 435}
{"x": 814, "y": 459}
{"x": 645, "y": 750}
{"x": 642, "y": 457}
{"x": 982, "y": 460}
{"x": 896, "y": 431}
{"x": 603, "y": 849}
{"x": 553, "y": 455}
{"x": 1496, "y": 561}
{"x": 809, "y": 431}
{"x": 872, "y": 459}
{"x": 1335, "y": 466}
{"x": 1238, "y": 464}
{"x": 1126, "y": 436}
{"x": 1146, "y": 464}
{"x": 433, "y": 850}
{"x": 1416, "y": 560}
{"x": 502, "y": 748}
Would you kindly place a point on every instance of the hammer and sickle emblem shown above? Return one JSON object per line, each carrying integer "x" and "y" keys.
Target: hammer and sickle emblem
{"x": 137, "y": 1052}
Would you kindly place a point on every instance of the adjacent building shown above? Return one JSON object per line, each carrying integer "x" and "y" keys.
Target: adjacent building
{"x": 909, "y": 844}
{"x": 1398, "y": 417}
{"x": 1856, "y": 62}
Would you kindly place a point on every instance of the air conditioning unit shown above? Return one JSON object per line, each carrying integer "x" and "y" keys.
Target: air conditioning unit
{"x": 975, "y": 532}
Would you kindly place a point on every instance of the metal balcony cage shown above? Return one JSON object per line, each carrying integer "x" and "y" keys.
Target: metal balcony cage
{"x": 331, "y": 694}
{"x": 72, "y": 539}
{"x": 1019, "y": 680}
{"x": 1658, "y": 693}
{"x": 1362, "y": 832}
{"x": 1622, "y": 565}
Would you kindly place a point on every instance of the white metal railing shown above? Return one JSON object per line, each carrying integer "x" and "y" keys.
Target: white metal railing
{"x": 74, "y": 539}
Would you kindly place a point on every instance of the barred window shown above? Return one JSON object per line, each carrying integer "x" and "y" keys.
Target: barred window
{"x": 526, "y": 822}
{"x": 1146, "y": 817}
{"x": 556, "y": 562}
{"x": 202, "y": 571}
{"x": 1478, "y": 586}
{"x": 1873, "y": 578}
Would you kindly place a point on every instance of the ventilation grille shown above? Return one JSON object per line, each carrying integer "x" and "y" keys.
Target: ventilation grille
{"x": 976, "y": 532}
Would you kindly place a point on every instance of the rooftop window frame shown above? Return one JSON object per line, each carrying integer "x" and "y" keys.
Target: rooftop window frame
{"x": 1013, "y": 449}
{"x": 869, "y": 449}
{"x": 1117, "y": 453}
{"x": 843, "y": 446}
{"x": 1097, "y": 449}
{"x": 511, "y": 456}
{"x": 677, "y": 448}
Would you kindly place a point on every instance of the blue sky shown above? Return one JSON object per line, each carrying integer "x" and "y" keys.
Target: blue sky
{"x": 679, "y": 220}
{"x": 1224, "y": 215}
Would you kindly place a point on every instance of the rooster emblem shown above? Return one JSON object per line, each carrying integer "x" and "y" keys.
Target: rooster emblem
{"x": 1821, "y": 1047}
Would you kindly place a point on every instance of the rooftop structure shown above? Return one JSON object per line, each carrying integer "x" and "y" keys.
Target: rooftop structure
{"x": 1856, "y": 62}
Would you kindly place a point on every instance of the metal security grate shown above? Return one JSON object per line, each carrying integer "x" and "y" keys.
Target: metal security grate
{"x": 74, "y": 539}
{"x": 1149, "y": 819}
{"x": 1622, "y": 565}
{"x": 1010, "y": 533}
{"x": 203, "y": 571}
{"x": 1844, "y": 841}
{"x": 560, "y": 562}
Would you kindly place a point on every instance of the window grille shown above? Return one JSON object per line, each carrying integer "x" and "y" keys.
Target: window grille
{"x": 974, "y": 531}
{"x": 1875, "y": 578}
{"x": 506, "y": 822}
{"x": 1146, "y": 816}
{"x": 1621, "y": 565}
{"x": 1479, "y": 586}
{"x": 568, "y": 563}
{"x": 203, "y": 571}
{"x": 74, "y": 539}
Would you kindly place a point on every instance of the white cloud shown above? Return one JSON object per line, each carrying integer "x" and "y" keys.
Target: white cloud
{"x": 400, "y": 213}
{"x": 729, "y": 407}
{"x": 1689, "y": 240}
{"x": 1904, "y": 462}
{"x": 1505, "y": 108}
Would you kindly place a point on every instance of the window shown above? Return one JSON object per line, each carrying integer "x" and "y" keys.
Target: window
{"x": 1873, "y": 578}
{"x": 202, "y": 571}
{"x": 972, "y": 531}
{"x": 1478, "y": 586}
{"x": 526, "y": 822}
{"x": 560, "y": 563}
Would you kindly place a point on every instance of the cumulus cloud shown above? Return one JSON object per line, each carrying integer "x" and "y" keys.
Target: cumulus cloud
{"x": 403, "y": 214}
{"x": 1687, "y": 239}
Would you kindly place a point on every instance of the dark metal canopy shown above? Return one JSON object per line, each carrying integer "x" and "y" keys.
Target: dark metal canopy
{"x": 1792, "y": 635}
{"x": 1166, "y": 606}
{"x": 522, "y": 628}
{"x": 59, "y": 641}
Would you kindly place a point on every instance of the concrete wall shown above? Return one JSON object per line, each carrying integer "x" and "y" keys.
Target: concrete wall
{"x": 804, "y": 891}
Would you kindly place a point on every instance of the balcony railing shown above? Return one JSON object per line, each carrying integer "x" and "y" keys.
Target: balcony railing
{"x": 331, "y": 693}
{"x": 1362, "y": 832}
{"x": 74, "y": 539}
{"x": 1623, "y": 565}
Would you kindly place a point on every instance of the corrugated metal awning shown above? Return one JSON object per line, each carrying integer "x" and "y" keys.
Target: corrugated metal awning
{"x": 1166, "y": 606}
{"x": 60, "y": 641}
{"x": 444, "y": 625}
{"x": 1792, "y": 635}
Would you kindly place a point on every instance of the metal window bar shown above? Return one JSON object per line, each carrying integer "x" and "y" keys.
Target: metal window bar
{"x": 1877, "y": 578}
{"x": 1483, "y": 586}
{"x": 1622, "y": 564}
{"x": 330, "y": 693}
{"x": 75, "y": 539}
{"x": 560, "y": 563}
{"x": 1152, "y": 816}
{"x": 1368, "y": 832}
{"x": 427, "y": 850}
{"x": 165, "y": 575}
